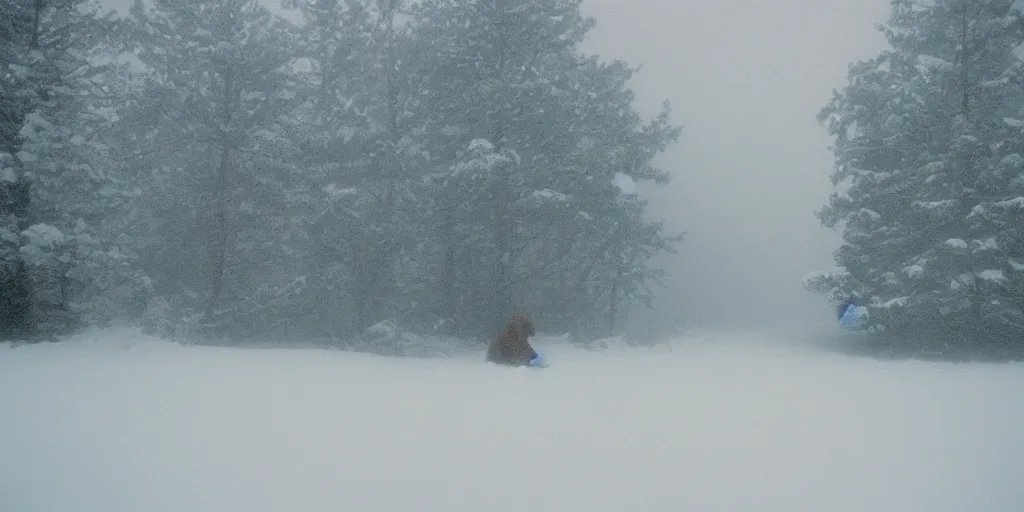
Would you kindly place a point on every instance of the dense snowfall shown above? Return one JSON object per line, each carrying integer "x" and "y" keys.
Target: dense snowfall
{"x": 252, "y": 253}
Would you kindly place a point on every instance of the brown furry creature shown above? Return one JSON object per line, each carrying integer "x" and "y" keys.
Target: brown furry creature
{"x": 512, "y": 346}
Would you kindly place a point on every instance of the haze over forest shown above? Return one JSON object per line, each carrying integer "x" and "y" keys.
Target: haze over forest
{"x": 317, "y": 170}
{"x": 751, "y": 165}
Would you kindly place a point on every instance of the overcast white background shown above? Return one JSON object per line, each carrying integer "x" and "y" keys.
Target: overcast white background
{"x": 746, "y": 79}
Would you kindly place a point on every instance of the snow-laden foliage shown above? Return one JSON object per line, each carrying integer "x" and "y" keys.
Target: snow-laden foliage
{"x": 207, "y": 119}
{"x": 62, "y": 189}
{"x": 930, "y": 177}
{"x": 526, "y": 206}
{"x": 432, "y": 166}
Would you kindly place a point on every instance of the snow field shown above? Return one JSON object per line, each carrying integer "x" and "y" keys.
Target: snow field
{"x": 117, "y": 422}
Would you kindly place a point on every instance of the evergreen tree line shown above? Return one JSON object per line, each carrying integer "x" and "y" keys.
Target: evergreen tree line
{"x": 929, "y": 138}
{"x": 211, "y": 168}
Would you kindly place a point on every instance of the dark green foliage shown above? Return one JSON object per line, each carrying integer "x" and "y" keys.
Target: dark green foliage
{"x": 55, "y": 183}
{"x": 928, "y": 152}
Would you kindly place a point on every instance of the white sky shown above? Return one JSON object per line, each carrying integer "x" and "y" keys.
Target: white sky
{"x": 746, "y": 79}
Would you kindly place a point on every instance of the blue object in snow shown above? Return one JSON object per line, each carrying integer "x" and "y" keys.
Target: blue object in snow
{"x": 853, "y": 316}
{"x": 538, "y": 362}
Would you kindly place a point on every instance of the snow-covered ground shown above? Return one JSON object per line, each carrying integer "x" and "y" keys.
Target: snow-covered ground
{"x": 710, "y": 423}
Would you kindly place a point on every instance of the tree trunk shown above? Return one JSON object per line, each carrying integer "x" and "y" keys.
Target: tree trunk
{"x": 613, "y": 295}
{"x": 36, "y": 19}
{"x": 375, "y": 255}
{"x": 449, "y": 275}
{"x": 504, "y": 230}
{"x": 965, "y": 100}
{"x": 360, "y": 297}
{"x": 219, "y": 235}
{"x": 503, "y": 234}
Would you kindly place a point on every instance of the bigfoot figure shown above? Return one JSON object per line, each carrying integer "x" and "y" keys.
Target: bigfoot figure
{"x": 512, "y": 346}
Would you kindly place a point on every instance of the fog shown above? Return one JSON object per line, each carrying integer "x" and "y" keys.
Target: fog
{"x": 739, "y": 413}
{"x": 746, "y": 80}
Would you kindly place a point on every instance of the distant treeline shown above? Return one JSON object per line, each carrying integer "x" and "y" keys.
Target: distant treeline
{"x": 208, "y": 167}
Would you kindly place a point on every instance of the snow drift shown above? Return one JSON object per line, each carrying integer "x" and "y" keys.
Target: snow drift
{"x": 119, "y": 422}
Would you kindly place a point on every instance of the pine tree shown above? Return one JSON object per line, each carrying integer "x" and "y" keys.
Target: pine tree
{"x": 61, "y": 191}
{"x": 495, "y": 67}
{"x": 529, "y": 136}
{"x": 208, "y": 122}
{"x": 615, "y": 150}
{"x": 464, "y": 218}
{"x": 16, "y": 29}
{"x": 362, "y": 153}
{"x": 928, "y": 151}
